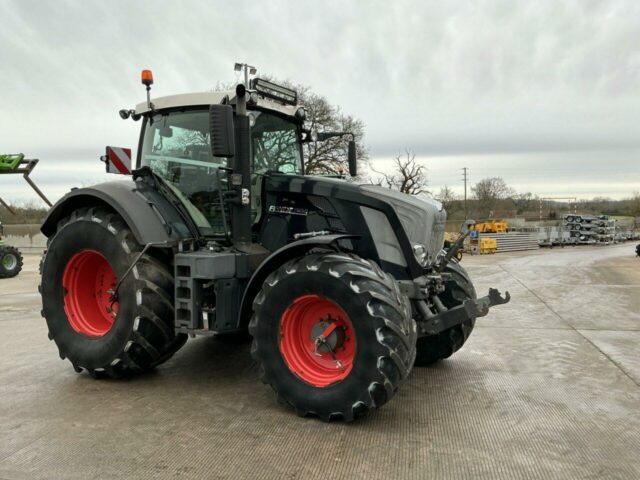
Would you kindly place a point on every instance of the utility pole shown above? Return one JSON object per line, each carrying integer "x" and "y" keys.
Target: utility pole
{"x": 464, "y": 170}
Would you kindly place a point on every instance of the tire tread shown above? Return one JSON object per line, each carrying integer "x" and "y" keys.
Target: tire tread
{"x": 389, "y": 313}
{"x": 152, "y": 340}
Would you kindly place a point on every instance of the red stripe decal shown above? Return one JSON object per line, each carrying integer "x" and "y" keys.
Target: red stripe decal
{"x": 119, "y": 162}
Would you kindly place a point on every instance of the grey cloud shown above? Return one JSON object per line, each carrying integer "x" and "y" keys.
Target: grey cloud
{"x": 442, "y": 78}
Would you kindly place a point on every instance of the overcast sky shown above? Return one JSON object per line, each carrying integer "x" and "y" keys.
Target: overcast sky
{"x": 545, "y": 94}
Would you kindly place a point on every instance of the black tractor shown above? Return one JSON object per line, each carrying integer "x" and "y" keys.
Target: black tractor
{"x": 218, "y": 231}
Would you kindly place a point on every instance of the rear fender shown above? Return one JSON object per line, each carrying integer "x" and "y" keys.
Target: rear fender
{"x": 151, "y": 218}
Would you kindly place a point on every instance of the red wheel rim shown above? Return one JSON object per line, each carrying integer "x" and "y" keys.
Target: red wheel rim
{"x": 317, "y": 362}
{"x": 88, "y": 282}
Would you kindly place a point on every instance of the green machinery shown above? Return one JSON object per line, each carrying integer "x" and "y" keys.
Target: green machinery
{"x": 15, "y": 164}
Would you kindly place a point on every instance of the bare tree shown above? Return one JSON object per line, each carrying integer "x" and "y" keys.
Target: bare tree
{"x": 330, "y": 157}
{"x": 446, "y": 197}
{"x": 409, "y": 176}
{"x": 525, "y": 202}
{"x": 635, "y": 204}
{"x": 489, "y": 191}
{"x": 26, "y": 212}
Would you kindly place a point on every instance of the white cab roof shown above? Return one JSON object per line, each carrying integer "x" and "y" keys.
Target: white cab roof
{"x": 209, "y": 98}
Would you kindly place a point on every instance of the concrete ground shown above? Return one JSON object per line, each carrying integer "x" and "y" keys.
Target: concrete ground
{"x": 546, "y": 387}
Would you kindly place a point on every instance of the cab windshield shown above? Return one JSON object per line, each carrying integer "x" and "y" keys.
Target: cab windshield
{"x": 176, "y": 146}
{"x": 275, "y": 144}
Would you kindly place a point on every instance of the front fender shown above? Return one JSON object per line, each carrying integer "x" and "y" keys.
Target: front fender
{"x": 274, "y": 261}
{"x": 151, "y": 218}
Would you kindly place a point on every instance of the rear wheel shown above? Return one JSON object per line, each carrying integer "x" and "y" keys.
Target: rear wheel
{"x": 10, "y": 261}
{"x": 94, "y": 329}
{"x": 332, "y": 335}
{"x": 434, "y": 348}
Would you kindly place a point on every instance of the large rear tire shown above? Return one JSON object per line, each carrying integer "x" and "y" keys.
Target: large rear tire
{"x": 10, "y": 261}
{"x": 90, "y": 251}
{"x": 368, "y": 337}
{"x": 434, "y": 348}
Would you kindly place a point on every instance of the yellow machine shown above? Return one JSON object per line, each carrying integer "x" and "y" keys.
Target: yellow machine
{"x": 484, "y": 245}
{"x": 492, "y": 226}
{"x": 488, "y": 245}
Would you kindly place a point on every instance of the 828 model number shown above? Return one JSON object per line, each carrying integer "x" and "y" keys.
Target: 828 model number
{"x": 288, "y": 210}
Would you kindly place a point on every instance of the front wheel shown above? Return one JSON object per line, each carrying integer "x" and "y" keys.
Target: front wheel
{"x": 434, "y": 348}
{"x": 332, "y": 335}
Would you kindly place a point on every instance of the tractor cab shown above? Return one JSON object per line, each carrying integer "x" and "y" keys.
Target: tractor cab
{"x": 175, "y": 144}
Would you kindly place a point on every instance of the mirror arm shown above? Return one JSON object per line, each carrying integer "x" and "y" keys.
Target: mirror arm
{"x": 322, "y": 136}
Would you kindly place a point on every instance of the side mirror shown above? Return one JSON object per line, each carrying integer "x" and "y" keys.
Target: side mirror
{"x": 221, "y": 131}
{"x": 166, "y": 132}
{"x": 353, "y": 159}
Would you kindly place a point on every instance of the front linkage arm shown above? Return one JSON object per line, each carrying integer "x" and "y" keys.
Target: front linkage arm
{"x": 433, "y": 324}
{"x": 434, "y": 316}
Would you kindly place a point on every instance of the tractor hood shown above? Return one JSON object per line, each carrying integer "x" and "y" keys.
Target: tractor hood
{"x": 422, "y": 218}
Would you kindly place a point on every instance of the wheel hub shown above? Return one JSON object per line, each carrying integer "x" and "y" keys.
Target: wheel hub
{"x": 333, "y": 340}
{"x": 88, "y": 282}
{"x": 317, "y": 340}
{"x": 9, "y": 261}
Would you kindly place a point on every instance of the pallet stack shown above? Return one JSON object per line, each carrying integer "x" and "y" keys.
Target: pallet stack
{"x": 590, "y": 229}
{"x": 512, "y": 241}
{"x": 493, "y": 236}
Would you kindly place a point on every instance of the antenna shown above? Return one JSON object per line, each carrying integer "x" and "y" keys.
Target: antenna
{"x": 248, "y": 70}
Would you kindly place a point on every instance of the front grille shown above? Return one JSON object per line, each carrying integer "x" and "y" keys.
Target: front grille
{"x": 436, "y": 242}
{"x": 323, "y": 204}
{"x": 327, "y": 210}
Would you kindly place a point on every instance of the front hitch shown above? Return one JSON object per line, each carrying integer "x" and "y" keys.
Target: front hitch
{"x": 480, "y": 307}
{"x": 432, "y": 324}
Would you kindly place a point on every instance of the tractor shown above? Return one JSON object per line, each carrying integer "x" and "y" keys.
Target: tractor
{"x": 342, "y": 287}
{"x": 11, "y": 164}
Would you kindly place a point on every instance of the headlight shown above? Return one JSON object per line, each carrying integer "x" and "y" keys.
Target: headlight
{"x": 420, "y": 252}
